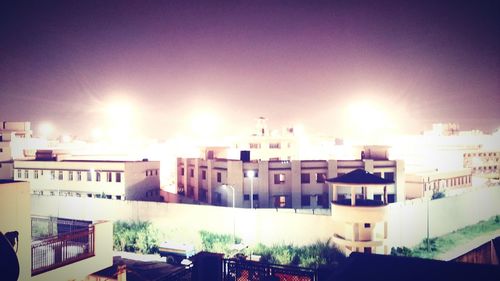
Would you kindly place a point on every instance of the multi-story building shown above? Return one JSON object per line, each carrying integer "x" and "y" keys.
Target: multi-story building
{"x": 280, "y": 184}
{"x": 359, "y": 204}
{"x": 122, "y": 180}
{"x": 484, "y": 163}
{"x": 69, "y": 254}
{"x": 426, "y": 184}
{"x": 15, "y": 139}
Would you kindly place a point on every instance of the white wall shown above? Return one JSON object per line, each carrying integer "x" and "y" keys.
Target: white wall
{"x": 407, "y": 224}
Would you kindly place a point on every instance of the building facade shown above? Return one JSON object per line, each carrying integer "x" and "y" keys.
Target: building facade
{"x": 73, "y": 255}
{"x": 484, "y": 163}
{"x": 426, "y": 184}
{"x": 276, "y": 184}
{"x": 121, "y": 180}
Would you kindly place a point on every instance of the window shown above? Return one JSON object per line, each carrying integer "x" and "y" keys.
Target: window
{"x": 1, "y": 150}
{"x": 203, "y": 174}
{"x": 280, "y": 201}
{"x": 35, "y": 174}
{"x": 254, "y": 145}
{"x": 377, "y": 197}
{"x": 70, "y": 175}
{"x": 182, "y": 171}
{"x": 118, "y": 177}
{"x": 391, "y": 198}
{"x": 305, "y": 178}
{"x": 320, "y": 177}
{"x": 18, "y": 173}
{"x": 79, "y": 176}
{"x": 109, "y": 176}
{"x": 156, "y": 172}
{"x": 147, "y": 173}
{"x": 97, "y": 176}
{"x": 256, "y": 197}
{"x": 255, "y": 173}
{"x": 306, "y": 200}
{"x": 246, "y": 197}
{"x": 279, "y": 178}
{"x": 53, "y": 175}
{"x": 367, "y": 225}
{"x": 26, "y": 174}
{"x": 60, "y": 175}
{"x": 219, "y": 177}
{"x": 276, "y": 145}
{"x": 389, "y": 176}
{"x": 191, "y": 173}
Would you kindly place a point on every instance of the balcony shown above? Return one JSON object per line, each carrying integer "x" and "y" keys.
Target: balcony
{"x": 365, "y": 211}
{"x": 62, "y": 249}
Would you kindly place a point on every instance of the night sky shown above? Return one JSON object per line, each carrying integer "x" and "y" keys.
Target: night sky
{"x": 290, "y": 61}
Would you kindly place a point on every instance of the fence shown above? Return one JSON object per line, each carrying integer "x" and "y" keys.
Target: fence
{"x": 60, "y": 250}
{"x": 243, "y": 270}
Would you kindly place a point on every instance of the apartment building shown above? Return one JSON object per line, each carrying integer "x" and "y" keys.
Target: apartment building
{"x": 276, "y": 184}
{"x": 426, "y": 184}
{"x": 50, "y": 174}
{"x": 15, "y": 139}
{"x": 67, "y": 255}
{"x": 484, "y": 163}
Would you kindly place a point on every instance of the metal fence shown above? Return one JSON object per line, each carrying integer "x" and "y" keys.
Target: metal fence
{"x": 44, "y": 227}
{"x": 60, "y": 250}
{"x": 243, "y": 270}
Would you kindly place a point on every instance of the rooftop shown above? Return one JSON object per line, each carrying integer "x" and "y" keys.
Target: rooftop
{"x": 360, "y": 176}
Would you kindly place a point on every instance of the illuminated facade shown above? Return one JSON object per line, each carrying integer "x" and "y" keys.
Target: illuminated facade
{"x": 277, "y": 184}
{"x": 121, "y": 180}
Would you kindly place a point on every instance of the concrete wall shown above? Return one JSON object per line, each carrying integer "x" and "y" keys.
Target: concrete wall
{"x": 407, "y": 221}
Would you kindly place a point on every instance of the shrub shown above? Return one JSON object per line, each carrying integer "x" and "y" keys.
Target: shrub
{"x": 137, "y": 237}
{"x": 218, "y": 243}
{"x": 401, "y": 251}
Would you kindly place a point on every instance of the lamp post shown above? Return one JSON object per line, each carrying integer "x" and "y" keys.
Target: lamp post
{"x": 251, "y": 175}
{"x": 224, "y": 186}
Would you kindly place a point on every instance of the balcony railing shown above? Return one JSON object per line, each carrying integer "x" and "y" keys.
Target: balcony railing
{"x": 61, "y": 250}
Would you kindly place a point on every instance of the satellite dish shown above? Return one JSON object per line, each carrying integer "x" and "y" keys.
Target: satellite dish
{"x": 9, "y": 264}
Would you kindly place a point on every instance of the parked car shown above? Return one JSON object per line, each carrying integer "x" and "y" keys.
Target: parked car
{"x": 175, "y": 253}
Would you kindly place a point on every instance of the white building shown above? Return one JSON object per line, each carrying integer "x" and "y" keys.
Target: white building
{"x": 73, "y": 255}
{"x": 484, "y": 163}
{"x": 15, "y": 140}
{"x": 122, "y": 180}
{"x": 426, "y": 184}
{"x": 277, "y": 184}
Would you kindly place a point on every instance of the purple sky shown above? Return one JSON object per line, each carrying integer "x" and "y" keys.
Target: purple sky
{"x": 291, "y": 61}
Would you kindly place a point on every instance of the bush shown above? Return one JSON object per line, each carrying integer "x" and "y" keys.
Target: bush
{"x": 401, "y": 251}
{"x": 137, "y": 237}
{"x": 217, "y": 243}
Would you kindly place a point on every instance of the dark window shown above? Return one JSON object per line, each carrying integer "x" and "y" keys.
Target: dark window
{"x": 52, "y": 174}
{"x": 305, "y": 178}
{"x": 246, "y": 197}
{"x": 118, "y": 197}
{"x": 306, "y": 200}
{"x": 368, "y": 250}
{"x": 391, "y": 198}
{"x": 191, "y": 172}
{"x": 389, "y": 176}
{"x": 109, "y": 176}
{"x": 182, "y": 171}
{"x": 320, "y": 177}
{"x": 279, "y": 178}
{"x": 219, "y": 177}
{"x": 60, "y": 175}
{"x": 97, "y": 176}
{"x": 118, "y": 177}
{"x": 256, "y": 197}
{"x": 377, "y": 197}
{"x": 70, "y": 175}
{"x": 203, "y": 174}
{"x": 367, "y": 225}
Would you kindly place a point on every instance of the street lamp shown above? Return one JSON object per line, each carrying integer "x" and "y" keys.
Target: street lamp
{"x": 224, "y": 186}
{"x": 251, "y": 175}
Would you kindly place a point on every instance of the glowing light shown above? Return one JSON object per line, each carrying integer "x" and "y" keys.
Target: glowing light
{"x": 368, "y": 119}
{"x": 205, "y": 124}
{"x": 46, "y": 129}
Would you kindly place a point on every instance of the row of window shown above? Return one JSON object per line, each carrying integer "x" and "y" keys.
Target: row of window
{"x": 481, "y": 154}
{"x": 76, "y": 194}
{"x": 306, "y": 177}
{"x": 151, "y": 173}
{"x": 71, "y": 176}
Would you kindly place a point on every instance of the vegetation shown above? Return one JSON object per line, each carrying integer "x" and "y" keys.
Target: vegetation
{"x": 137, "y": 237}
{"x": 435, "y": 246}
{"x": 315, "y": 255}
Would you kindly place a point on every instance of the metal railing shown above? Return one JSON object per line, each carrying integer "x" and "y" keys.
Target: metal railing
{"x": 243, "y": 270}
{"x": 61, "y": 250}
